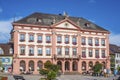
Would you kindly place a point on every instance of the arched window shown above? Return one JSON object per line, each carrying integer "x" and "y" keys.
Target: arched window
{"x": 1, "y": 51}
{"x": 22, "y": 66}
{"x": 74, "y": 66}
{"x": 90, "y": 65}
{"x": 11, "y": 51}
{"x": 40, "y": 65}
{"x": 59, "y": 63}
{"x": 67, "y": 66}
{"x": 83, "y": 65}
{"x": 31, "y": 65}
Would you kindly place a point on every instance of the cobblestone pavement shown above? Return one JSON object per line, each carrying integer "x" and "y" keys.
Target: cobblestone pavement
{"x": 65, "y": 77}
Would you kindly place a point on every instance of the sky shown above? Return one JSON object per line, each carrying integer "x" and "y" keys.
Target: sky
{"x": 105, "y": 13}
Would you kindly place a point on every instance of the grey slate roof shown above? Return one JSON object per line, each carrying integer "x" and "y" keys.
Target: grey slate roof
{"x": 114, "y": 49}
{"x": 50, "y": 19}
{"x": 6, "y": 47}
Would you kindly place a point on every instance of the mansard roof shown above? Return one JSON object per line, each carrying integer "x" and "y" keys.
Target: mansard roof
{"x": 6, "y": 49}
{"x": 50, "y": 19}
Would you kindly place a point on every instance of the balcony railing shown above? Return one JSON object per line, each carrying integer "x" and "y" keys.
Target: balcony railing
{"x": 66, "y": 56}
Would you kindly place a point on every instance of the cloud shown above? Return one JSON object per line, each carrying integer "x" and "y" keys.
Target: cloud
{"x": 92, "y": 1}
{"x": 5, "y": 28}
{"x": 115, "y": 39}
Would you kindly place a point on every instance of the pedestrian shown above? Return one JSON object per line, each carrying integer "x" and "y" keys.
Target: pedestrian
{"x": 115, "y": 72}
{"x": 105, "y": 72}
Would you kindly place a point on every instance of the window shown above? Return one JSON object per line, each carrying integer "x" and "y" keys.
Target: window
{"x": 31, "y": 51}
{"x": 59, "y": 39}
{"x": 22, "y": 50}
{"x": 66, "y": 39}
{"x": 59, "y": 51}
{"x": 40, "y": 51}
{"x": 74, "y": 41}
{"x": 90, "y": 53}
{"x": 83, "y": 41}
{"x": 90, "y": 41}
{"x": 39, "y": 39}
{"x": 48, "y": 39}
{"x": 22, "y": 37}
{"x": 31, "y": 38}
{"x": 97, "y": 53}
{"x": 11, "y": 51}
{"x": 1, "y": 51}
{"x": 96, "y": 42}
{"x": 84, "y": 53}
{"x": 103, "y": 42}
{"x": 48, "y": 51}
{"x": 66, "y": 51}
{"x": 74, "y": 51}
{"x": 103, "y": 53}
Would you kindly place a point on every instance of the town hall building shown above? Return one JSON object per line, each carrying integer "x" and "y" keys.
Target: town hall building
{"x": 73, "y": 43}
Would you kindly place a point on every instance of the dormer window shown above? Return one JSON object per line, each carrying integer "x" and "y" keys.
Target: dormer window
{"x": 1, "y": 51}
{"x": 87, "y": 24}
{"x": 11, "y": 51}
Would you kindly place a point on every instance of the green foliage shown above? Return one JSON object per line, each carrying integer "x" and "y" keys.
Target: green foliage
{"x": 1, "y": 65}
{"x": 48, "y": 64}
{"x": 97, "y": 68}
{"x": 51, "y": 75}
{"x": 118, "y": 68}
{"x": 43, "y": 72}
{"x": 50, "y": 71}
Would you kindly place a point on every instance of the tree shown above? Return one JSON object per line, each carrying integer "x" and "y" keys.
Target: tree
{"x": 51, "y": 70}
{"x": 1, "y": 66}
{"x": 97, "y": 68}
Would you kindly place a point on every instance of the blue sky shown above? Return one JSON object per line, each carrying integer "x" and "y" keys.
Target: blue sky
{"x": 105, "y": 13}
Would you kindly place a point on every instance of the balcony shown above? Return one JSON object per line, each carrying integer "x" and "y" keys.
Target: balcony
{"x": 66, "y": 56}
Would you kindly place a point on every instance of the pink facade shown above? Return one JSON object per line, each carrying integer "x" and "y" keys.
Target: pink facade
{"x": 63, "y": 43}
